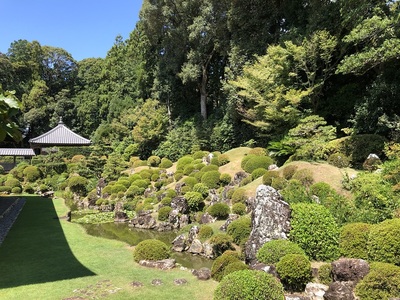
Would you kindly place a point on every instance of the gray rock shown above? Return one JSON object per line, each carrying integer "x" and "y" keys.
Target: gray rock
{"x": 206, "y": 218}
{"x": 164, "y": 264}
{"x": 231, "y": 218}
{"x": 349, "y": 269}
{"x": 180, "y": 281}
{"x": 143, "y": 220}
{"x": 196, "y": 247}
{"x": 316, "y": 290}
{"x": 179, "y": 243}
{"x": 202, "y": 273}
{"x": 239, "y": 176}
{"x": 120, "y": 217}
{"x": 156, "y": 282}
{"x": 340, "y": 290}
{"x": 180, "y": 204}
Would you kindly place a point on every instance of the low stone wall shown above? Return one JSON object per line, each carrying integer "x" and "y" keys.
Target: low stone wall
{"x": 8, "y": 217}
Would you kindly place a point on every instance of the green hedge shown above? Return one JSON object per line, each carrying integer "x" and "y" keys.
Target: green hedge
{"x": 294, "y": 270}
{"x": 239, "y": 229}
{"x": 151, "y": 249}
{"x": 353, "y": 240}
{"x": 271, "y": 252}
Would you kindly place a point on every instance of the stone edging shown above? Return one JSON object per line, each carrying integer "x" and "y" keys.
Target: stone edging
{"x": 9, "y": 216}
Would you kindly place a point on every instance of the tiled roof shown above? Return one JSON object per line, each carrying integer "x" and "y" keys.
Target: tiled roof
{"x": 16, "y": 152}
{"x": 60, "y": 135}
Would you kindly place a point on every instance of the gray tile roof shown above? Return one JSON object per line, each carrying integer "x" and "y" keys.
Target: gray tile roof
{"x": 60, "y": 135}
{"x": 16, "y": 152}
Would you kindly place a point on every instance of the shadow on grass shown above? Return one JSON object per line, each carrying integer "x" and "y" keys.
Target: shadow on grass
{"x": 35, "y": 250}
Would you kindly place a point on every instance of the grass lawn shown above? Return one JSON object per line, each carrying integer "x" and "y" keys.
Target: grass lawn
{"x": 46, "y": 257}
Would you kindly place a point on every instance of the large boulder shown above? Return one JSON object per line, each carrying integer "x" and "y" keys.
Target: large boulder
{"x": 143, "y": 220}
{"x": 202, "y": 273}
{"x": 340, "y": 290}
{"x": 180, "y": 204}
{"x": 164, "y": 264}
{"x": 120, "y": 217}
{"x": 270, "y": 220}
{"x": 179, "y": 243}
{"x": 196, "y": 247}
{"x": 349, "y": 269}
{"x": 231, "y": 218}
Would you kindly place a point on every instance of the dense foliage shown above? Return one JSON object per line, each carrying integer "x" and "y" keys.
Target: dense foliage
{"x": 151, "y": 250}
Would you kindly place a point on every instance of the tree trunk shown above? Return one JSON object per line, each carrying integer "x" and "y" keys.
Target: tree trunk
{"x": 203, "y": 93}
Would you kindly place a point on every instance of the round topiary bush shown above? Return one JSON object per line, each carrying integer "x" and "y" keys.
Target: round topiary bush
{"x": 249, "y": 285}
{"x": 325, "y": 274}
{"x": 12, "y": 182}
{"x": 258, "y": 151}
{"x": 384, "y": 242}
{"x": 190, "y": 181}
{"x": 305, "y": 176}
{"x": 209, "y": 168}
{"x": 268, "y": 176}
{"x": 279, "y": 183}
{"x": 118, "y": 187}
{"x": 32, "y": 173}
{"x": 223, "y": 159}
{"x": 289, "y": 171}
{"x": 16, "y": 190}
{"x": 294, "y": 270}
{"x": 201, "y": 188}
{"x": 195, "y": 201}
{"x": 258, "y": 173}
{"x": 295, "y": 192}
{"x": 77, "y": 184}
{"x": 257, "y": 162}
{"x": 239, "y": 196}
{"x": 183, "y": 161}
{"x": 315, "y": 230}
{"x": 382, "y": 282}
{"x": 221, "y": 242}
{"x": 165, "y": 163}
{"x": 211, "y": 179}
{"x": 234, "y": 267}
{"x": 225, "y": 179}
{"x": 153, "y": 161}
{"x": 5, "y": 189}
{"x": 151, "y": 249}
{"x": 339, "y": 160}
{"x": 271, "y": 252}
{"x": 239, "y": 209}
{"x": 219, "y": 210}
{"x": 163, "y": 213}
{"x": 353, "y": 240}
{"x": 205, "y": 232}
{"x": 239, "y": 229}
{"x": 188, "y": 169}
{"x": 221, "y": 262}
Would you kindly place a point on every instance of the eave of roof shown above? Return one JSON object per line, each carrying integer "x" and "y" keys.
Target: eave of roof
{"x": 16, "y": 152}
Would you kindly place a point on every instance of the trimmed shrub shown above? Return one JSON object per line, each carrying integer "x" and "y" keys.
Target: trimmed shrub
{"x": 353, "y": 240}
{"x": 165, "y": 163}
{"x": 225, "y": 179}
{"x": 188, "y": 169}
{"x": 190, "y": 181}
{"x": 257, "y": 162}
{"x": 118, "y": 187}
{"x": 29, "y": 189}
{"x": 201, "y": 188}
{"x": 219, "y": 210}
{"x": 271, "y": 252}
{"x": 77, "y": 184}
{"x": 315, "y": 230}
{"x": 5, "y": 189}
{"x": 235, "y": 266}
{"x": 268, "y": 176}
{"x": 199, "y": 154}
{"x": 141, "y": 183}
{"x": 294, "y": 270}
{"x": 258, "y": 173}
{"x": 221, "y": 262}
{"x": 382, "y": 282}
{"x": 183, "y": 161}
{"x": 170, "y": 193}
{"x": 209, "y": 168}
{"x": 339, "y": 160}
{"x": 246, "y": 180}
{"x": 211, "y": 179}
{"x": 166, "y": 201}
{"x": 12, "y": 182}
{"x": 305, "y": 176}
{"x": 163, "y": 213}
{"x": 239, "y": 229}
{"x": 279, "y": 183}
{"x": 239, "y": 196}
{"x": 258, "y": 151}
{"x": 239, "y": 209}
{"x": 153, "y": 161}
{"x": 384, "y": 242}
{"x": 151, "y": 249}
{"x": 221, "y": 242}
{"x": 249, "y": 285}
{"x": 205, "y": 232}
{"x": 32, "y": 173}
{"x": 325, "y": 274}
{"x": 295, "y": 192}
{"x": 195, "y": 201}
{"x": 223, "y": 159}
{"x": 16, "y": 190}
{"x": 289, "y": 171}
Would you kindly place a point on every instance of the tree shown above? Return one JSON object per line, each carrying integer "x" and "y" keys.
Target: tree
{"x": 9, "y": 107}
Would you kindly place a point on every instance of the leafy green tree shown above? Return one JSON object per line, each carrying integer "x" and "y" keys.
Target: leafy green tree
{"x": 9, "y": 107}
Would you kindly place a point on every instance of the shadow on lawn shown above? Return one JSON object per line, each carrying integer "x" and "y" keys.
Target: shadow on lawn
{"x": 35, "y": 250}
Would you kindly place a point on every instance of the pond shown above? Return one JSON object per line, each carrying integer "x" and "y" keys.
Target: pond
{"x": 133, "y": 236}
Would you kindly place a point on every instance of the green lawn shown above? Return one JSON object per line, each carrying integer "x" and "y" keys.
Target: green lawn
{"x": 46, "y": 257}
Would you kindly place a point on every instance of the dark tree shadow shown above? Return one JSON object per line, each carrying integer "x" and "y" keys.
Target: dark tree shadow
{"x": 35, "y": 250}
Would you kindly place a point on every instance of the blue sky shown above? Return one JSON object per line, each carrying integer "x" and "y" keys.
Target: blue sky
{"x": 84, "y": 28}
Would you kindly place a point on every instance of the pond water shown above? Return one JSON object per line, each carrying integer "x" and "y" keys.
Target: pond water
{"x": 133, "y": 236}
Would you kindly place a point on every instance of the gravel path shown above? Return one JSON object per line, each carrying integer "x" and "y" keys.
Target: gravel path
{"x": 9, "y": 211}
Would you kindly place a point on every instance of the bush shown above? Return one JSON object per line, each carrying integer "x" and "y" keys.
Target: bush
{"x": 239, "y": 209}
{"x": 279, "y": 183}
{"x": 295, "y": 192}
{"x": 289, "y": 171}
{"x": 165, "y": 163}
{"x": 234, "y": 267}
{"x": 258, "y": 151}
{"x": 205, "y": 232}
{"x": 305, "y": 176}
{"x": 77, "y": 184}
{"x": 223, "y": 159}
{"x": 32, "y": 173}
{"x": 16, "y": 190}
{"x": 153, "y": 161}
{"x": 258, "y": 173}
{"x": 339, "y": 160}
{"x": 118, "y": 187}
{"x": 239, "y": 196}
{"x": 29, "y": 189}
{"x": 249, "y": 285}
{"x": 225, "y": 179}
{"x": 163, "y": 213}
{"x": 353, "y": 240}
{"x": 199, "y": 154}
{"x": 256, "y": 162}
{"x": 384, "y": 242}
{"x": 188, "y": 169}
{"x": 219, "y": 210}
{"x": 141, "y": 183}
{"x": 221, "y": 242}
{"x": 190, "y": 181}
{"x": 183, "y": 161}
{"x": 211, "y": 179}
{"x": 294, "y": 270}
{"x": 271, "y": 252}
{"x": 315, "y": 230}
{"x": 325, "y": 274}
{"x": 201, "y": 188}
{"x": 239, "y": 229}
{"x": 5, "y": 189}
{"x": 221, "y": 262}
{"x": 268, "y": 176}
{"x": 12, "y": 182}
{"x": 209, "y": 168}
{"x": 151, "y": 249}
{"x": 382, "y": 282}
{"x": 195, "y": 201}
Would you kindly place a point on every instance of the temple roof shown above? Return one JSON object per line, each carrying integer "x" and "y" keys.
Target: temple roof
{"x": 16, "y": 152}
{"x": 60, "y": 135}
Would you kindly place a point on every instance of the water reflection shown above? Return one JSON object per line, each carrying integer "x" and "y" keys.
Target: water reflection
{"x": 133, "y": 236}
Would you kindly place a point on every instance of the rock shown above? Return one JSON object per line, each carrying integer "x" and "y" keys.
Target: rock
{"x": 270, "y": 269}
{"x": 297, "y": 297}
{"x": 173, "y": 219}
{"x": 143, "y": 220}
{"x": 349, "y": 269}
{"x": 316, "y": 290}
{"x": 206, "y": 218}
{"x": 179, "y": 243}
{"x": 192, "y": 235}
{"x": 196, "y": 247}
{"x": 224, "y": 193}
{"x": 208, "y": 250}
{"x": 164, "y": 226}
{"x": 180, "y": 281}
{"x": 270, "y": 220}
{"x": 136, "y": 284}
{"x": 156, "y": 282}
{"x": 213, "y": 196}
{"x": 180, "y": 204}
{"x": 120, "y": 217}
{"x": 179, "y": 186}
{"x": 183, "y": 220}
{"x": 164, "y": 264}
{"x": 202, "y": 273}
{"x": 231, "y": 218}
{"x": 340, "y": 290}
{"x": 272, "y": 167}
{"x": 239, "y": 176}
